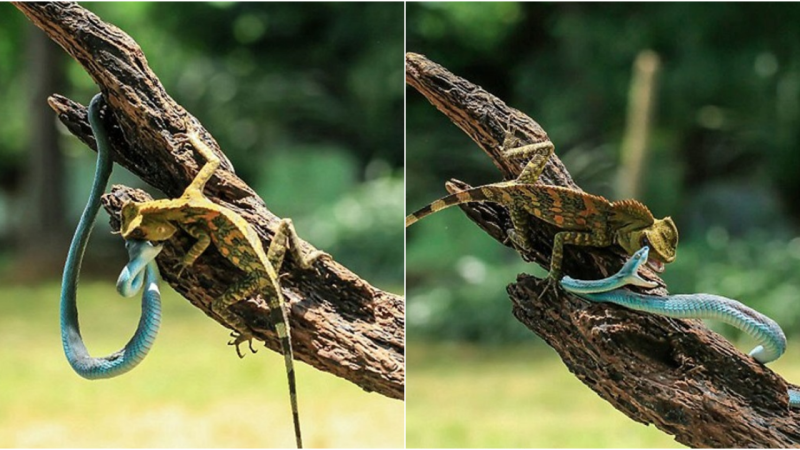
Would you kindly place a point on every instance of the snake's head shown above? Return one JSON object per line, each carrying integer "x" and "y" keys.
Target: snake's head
{"x": 138, "y": 224}
{"x": 662, "y": 238}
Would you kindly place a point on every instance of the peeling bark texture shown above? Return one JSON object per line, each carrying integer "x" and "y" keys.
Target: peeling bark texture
{"x": 340, "y": 323}
{"x": 675, "y": 374}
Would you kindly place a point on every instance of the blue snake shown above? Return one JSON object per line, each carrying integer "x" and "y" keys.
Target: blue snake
{"x": 693, "y": 306}
{"x": 141, "y": 272}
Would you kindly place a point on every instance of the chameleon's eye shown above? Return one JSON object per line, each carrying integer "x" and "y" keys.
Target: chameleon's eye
{"x": 645, "y": 242}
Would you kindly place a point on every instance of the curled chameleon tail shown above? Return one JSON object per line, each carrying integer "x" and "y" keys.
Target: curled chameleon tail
{"x": 692, "y": 306}
{"x": 141, "y": 270}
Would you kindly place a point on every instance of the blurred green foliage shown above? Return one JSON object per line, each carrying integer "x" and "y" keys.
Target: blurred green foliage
{"x": 723, "y": 158}
{"x": 305, "y": 99}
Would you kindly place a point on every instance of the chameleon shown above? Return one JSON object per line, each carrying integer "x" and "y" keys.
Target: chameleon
{"x": 586, "y": 219}
{"x": 772, "y": 341}
{"x": 237, "y": 241}
{"x": 140, "y": 272}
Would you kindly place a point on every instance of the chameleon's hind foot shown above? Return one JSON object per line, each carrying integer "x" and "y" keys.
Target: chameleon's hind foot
{"x": 534, "y": 156}
{"x": 286, "y": 239}
{"x": 186, "y": 137}
{"x": 308, "y": 260}
{"x": 239, "y": 339}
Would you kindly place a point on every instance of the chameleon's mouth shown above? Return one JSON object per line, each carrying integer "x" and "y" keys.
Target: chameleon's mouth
{"x": 655, "y": 264}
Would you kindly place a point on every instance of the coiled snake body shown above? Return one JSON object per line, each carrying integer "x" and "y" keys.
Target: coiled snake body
{"x": 141, "y": 270}
{"x": 689, "y": 306}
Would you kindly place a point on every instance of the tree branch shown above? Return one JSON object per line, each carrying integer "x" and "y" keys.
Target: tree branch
{"x": 676, "y": 374}
{"x": 340, "y": 323}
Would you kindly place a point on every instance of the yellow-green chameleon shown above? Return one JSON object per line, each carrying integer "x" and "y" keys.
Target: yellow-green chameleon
{"x": 237, "y": 241}
{"x": 587, "y": 220}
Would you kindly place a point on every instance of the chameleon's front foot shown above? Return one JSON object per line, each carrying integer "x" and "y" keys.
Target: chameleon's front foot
{"x": 309, "y": 259}
{"x": 239, "y": 339}
{"x": 179, "y": 268}
{"x": 190, "y": 257}
{"x": 551, "y": 283}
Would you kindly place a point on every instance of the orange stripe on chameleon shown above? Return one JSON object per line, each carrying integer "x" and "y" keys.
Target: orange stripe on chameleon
{"x": 556, "y": 199}
{"x": 463, "y": 196}
{"x": 589, "y": 207}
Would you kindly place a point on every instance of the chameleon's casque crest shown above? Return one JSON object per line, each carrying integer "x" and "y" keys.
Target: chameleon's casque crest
{"x": 661, "y": 237}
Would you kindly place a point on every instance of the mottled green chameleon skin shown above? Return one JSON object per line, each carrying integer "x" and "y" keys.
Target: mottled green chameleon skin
{"x": 587, "y": 220}
{"x": 236, "y": 240}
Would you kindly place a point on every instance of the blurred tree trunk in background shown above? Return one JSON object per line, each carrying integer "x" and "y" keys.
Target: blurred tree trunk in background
{"x": 638, "y": 125}
{"x": 42, "y": 231}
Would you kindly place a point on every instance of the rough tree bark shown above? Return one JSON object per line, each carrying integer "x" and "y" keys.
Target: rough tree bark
{"x": 44, "y": 234}
{"x": 340, "y": 323}
{"x": 676, "y": 374}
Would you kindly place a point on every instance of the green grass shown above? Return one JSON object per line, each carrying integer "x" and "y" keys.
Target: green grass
{"x": 490, "y": 397}
{"x": 191, "y": 391}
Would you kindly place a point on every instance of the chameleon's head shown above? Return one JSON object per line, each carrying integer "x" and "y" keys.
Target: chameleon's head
{"x": 137, "y": 224}
{"x": 662, "y": 238}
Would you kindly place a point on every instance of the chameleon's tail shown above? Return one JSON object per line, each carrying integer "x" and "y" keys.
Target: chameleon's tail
{"x": 280, "y": 318}
{"x": 478, "y": 194}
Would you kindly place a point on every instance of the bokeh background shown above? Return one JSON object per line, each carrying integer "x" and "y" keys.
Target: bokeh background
{"x": 307, "y": 102}
{"x": 722, "y": 158}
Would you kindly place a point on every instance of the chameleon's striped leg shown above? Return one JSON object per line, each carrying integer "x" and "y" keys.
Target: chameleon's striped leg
{"x": 202, "y": 243}
{"x": 521, "y": 220}
{"x": 583, "y": 238}
{"x": 557, "y": 254}
{"x": 536, "y": 155}
{"x": 277, "y": 248}
{"x": 208, "y": 169}
{"x": 242, "y": 288}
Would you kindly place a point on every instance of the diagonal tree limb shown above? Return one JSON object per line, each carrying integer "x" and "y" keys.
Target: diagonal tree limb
{"x": 340, "y": 323}
{"x": 676, "y": 374}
